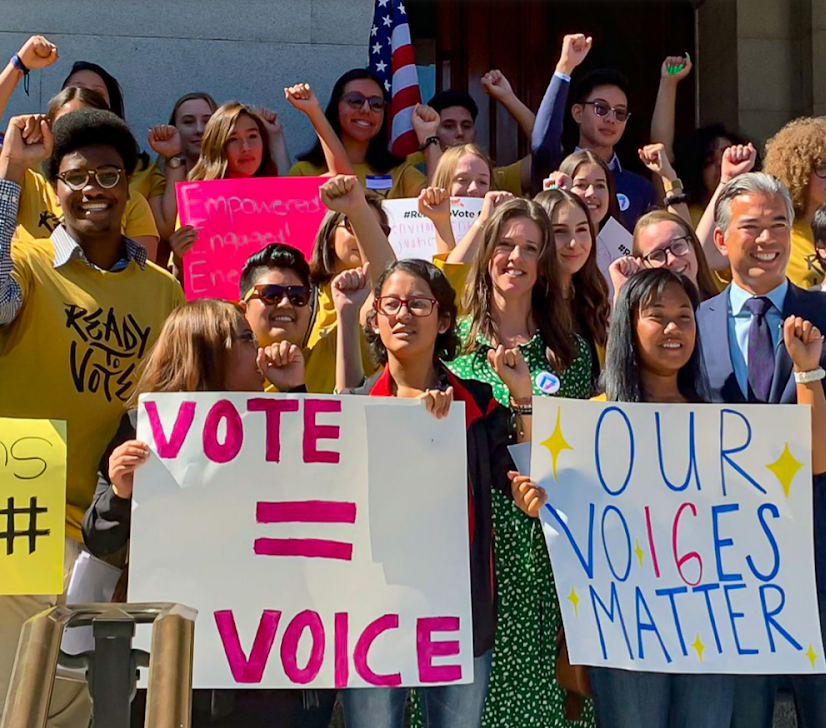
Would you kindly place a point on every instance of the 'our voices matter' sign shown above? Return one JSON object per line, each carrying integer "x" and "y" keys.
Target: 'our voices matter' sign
{"x": 681, "y": 536}
{"x": 323, "y": 540}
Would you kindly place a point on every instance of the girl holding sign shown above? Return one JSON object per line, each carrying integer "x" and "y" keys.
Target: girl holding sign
{"x": 412, "y": 328}
{"x": 204, "y": 346}
{"x": 654, "y": 356}
{"x": 514, "y": 298}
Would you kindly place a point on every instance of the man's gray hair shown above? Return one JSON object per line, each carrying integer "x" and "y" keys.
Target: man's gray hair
{"x": 751, "y": 183}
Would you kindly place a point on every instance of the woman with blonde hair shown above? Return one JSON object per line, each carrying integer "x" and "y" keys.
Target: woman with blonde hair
{"x": 236, "y": 145}
{"x": 665, "y": 240}
{"x": 796, "y": 155}
{"x": 204, "y": 346}
{"x": 514, "y": 299}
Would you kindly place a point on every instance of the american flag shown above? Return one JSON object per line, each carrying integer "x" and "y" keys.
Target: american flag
{"x": 392, "y": 60}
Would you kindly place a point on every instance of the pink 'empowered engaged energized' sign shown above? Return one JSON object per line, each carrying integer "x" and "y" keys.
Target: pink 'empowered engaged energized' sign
{"x": 238, "y": 217}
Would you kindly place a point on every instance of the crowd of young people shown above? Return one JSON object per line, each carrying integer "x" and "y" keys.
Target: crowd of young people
{"x": 718, "y": 301}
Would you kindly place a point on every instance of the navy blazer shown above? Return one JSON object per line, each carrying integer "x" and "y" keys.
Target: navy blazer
{"x": 713, "y": 330}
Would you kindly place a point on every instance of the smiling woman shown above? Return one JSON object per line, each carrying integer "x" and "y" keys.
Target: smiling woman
{"x": 356, "y": 113}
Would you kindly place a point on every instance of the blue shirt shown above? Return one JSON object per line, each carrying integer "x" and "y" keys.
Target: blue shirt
{"x": 635, "y": 193}
{"x": 739, "y": 322}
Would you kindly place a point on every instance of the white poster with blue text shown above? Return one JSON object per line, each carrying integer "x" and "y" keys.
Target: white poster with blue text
{"x": 681, "y": 536}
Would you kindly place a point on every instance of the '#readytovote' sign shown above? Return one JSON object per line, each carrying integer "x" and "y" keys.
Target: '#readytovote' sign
{"x": 323, "y": 540}
{"x": 681, "y": 536}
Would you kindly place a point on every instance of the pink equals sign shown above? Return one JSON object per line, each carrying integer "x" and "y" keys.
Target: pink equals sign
{"x": 305, "y": 512}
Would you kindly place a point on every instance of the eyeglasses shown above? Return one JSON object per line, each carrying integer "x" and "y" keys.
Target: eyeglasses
{"x": 820, "y": 170}
{"x": 271, "y": 294}
{"x": 678, "y": 247}
{"x": 347, "y": 225}
{"x": 356, "y": 100}
{"x": 602, "y": 110}
{"x": 77, "y": 179}
{"x": 418, "y": 306}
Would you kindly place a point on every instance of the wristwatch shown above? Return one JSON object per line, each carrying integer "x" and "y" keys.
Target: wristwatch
{"x": 174, "y": 162}
{"x": 673, "y": 185}
{"x": 428, "y": 142}
{"x": 815, "y": 375}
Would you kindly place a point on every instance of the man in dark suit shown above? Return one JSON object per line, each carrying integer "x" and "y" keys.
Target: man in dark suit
{"x": 746, "y": 361}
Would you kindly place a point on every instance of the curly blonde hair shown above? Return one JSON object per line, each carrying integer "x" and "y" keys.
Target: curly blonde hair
{"x": 793, "y": 153}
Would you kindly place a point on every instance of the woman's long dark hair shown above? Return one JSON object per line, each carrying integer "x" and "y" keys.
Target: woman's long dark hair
{"x": 621, "y": 375}
{"x": 589, "y": 302}
{"x": 378, "y": 155}
{"x": 447, "y": 343}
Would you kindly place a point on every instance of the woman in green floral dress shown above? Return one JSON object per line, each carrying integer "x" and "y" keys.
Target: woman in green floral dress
{"x": 514, "y": 297}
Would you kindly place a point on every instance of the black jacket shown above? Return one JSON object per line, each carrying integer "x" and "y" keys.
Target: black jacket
{"x": 106, "y": 523}
{"x": 489, "y": 432}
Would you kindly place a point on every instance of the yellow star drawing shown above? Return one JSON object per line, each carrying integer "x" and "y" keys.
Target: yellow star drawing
{"x": 699, "y": 646}
{"x": 573, "y": 598}
{"x": 638, "y": 550}
{"x": 812, "y": 655}
{"x": 556, "y": 443}
{"x": 785, "y": 468}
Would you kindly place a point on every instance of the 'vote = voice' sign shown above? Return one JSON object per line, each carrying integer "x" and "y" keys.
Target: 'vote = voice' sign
{"x": 323, "y": 540}
{"x": 681, "y": 536}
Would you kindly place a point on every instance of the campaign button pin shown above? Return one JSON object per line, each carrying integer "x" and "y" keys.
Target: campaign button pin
{"x": 547, "y": 382}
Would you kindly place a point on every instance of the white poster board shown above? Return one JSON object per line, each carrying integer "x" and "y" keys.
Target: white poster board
{"x": 681, "y": 536}
{"x": 412, "y": 235}
{"x": 313, "y": 559}
{"x": 613, "y": 242}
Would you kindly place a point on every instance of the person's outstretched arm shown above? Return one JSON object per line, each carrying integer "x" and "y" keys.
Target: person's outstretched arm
{"x": 804, "y": 344}
{"x": 673, "y": 70}
{"x": 546, "y": 140}
{"x": 36, "y": 52}
{"x": 28, "y": 140}
{"x": 301, "y": 97}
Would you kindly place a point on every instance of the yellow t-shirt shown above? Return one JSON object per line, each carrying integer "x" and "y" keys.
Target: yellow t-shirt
{"x": 456, "y": 274}
{"x": 320, "y": 353}
{"x": 804, "y": 269}
{"x": 148, "y": 181}
{"x": 39, "y": 212}
{"x": 600, "y": 398}
{"x": 72, "y": 352}
{"x": 509, "y": 178}
{"x": 406, "y": 180}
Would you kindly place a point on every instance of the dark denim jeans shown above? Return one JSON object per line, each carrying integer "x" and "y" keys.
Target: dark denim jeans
{"x": 625, "y": 699}
{"x": 447, "y": 706}
{"x": 754, "y": 695}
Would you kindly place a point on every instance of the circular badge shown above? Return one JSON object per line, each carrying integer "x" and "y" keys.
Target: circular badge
{"x": 624, "y": 202}
{"x": 547, "y": 382}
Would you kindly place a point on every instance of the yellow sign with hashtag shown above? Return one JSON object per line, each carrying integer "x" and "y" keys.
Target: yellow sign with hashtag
{"x": 32, "y": 506}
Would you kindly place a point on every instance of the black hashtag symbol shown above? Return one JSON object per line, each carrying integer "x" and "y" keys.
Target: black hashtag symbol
{"x": 32, "y": 532}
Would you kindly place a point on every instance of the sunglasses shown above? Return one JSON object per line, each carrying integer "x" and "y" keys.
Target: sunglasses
{"x": 820, "y": 170}
{"x": 602, "y": 110}
{"x": 349, "y": 228}
{"x": 355, "y": 100}
{"x": 271, "y": 294}
{"x": 77, "y": 179}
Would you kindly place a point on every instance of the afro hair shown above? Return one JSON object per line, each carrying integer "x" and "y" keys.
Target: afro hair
{"x": 87, "y": 127}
